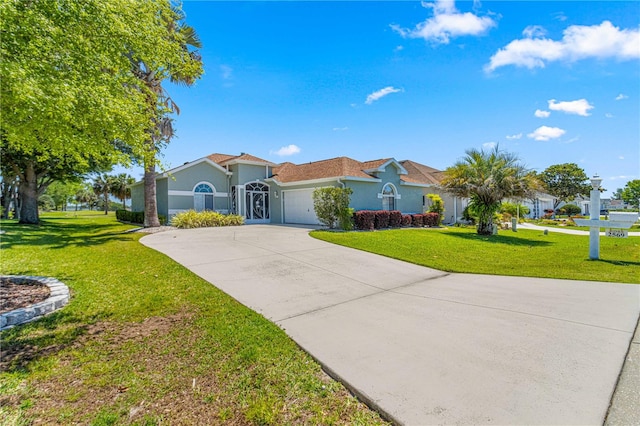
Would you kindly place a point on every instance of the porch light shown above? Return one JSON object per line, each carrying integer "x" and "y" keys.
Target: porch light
{"x": 596, "y": 181}
{"x": 275, "y": 194}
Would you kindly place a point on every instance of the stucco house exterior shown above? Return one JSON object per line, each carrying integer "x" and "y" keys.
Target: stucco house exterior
{"x": 265, "y": 192}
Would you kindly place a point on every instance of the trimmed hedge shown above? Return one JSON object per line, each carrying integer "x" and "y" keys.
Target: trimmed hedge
{"x": 417, "y": 220}
{"x": 381, "y": 219}
{"x": 136, "y": 217}
{"x": 431, "y": 219}
{"x": 395, "y": 219}
{"x": 406, "y": 220}
{"x": 364, "y": 220}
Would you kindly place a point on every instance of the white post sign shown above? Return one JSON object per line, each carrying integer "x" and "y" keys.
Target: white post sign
{"x": 616, "y": 226}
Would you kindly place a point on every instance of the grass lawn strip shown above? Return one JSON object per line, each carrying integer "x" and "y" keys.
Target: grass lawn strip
{"x": 526, "y": 253}
{"x": 145, "y": 341}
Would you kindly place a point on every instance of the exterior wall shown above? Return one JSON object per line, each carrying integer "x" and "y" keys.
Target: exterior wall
{"x": 365, "y": 194}
{"x": 187, "y": 179}
{"x": 162, "y": 198}
{"x": 453, "y": 206}
{"x": 245, "y": 173}
{"x": 137, "y": 197}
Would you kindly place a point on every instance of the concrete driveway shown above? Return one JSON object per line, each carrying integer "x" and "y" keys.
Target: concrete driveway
{"x": 424, "y": 346}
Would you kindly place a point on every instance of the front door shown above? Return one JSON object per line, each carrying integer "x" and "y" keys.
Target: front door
{"x": 257, "y": 203}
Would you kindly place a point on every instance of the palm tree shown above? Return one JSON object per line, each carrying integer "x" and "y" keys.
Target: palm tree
{"x": 102, "y": 188}
{"x": 487, "y": 178}
{"x": 120, "y": 187}
{"x": 184, "y": 68}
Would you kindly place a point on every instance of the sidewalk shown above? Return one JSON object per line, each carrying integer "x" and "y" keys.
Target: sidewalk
{"x": 565, "y": 230}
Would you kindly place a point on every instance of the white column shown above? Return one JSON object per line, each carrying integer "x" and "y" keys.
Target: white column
{"x": 594, "y": 232}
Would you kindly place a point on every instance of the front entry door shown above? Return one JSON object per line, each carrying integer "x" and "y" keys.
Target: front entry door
{"x": 257, "y": 203}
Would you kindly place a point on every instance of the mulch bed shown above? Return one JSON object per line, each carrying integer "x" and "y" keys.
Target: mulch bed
{"x": 15, "y": 296}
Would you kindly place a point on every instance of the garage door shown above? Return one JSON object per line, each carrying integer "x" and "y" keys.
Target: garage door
{"x": 298, "y": 207}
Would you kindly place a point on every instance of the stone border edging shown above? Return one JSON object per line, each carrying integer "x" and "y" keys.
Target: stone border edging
{"x": 57, "y": 299}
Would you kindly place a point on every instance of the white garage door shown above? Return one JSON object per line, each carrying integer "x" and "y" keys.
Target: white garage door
{"x": 298, "y": 207}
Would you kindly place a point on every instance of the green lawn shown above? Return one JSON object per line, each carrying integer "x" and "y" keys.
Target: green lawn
{"x": 145, "y": 341}
{"x": 524, "y": 253}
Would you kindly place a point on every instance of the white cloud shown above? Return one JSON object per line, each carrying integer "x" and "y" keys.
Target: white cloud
{"x": 513, "y": 137}
{"x": 621, "y": 157}
{"x": 227, "y": 72}
{"x": 579, "y": 107}
{"x": 287, "y": 150}
{"x": 398, "y": 48}
{"x": 340, "y": 129}
{"x": 446, "y": 23}
{"x": 621, "y": 96}
{"x": 489, "y": 145}
{"x": 608, "y": 115}
{"x": 534, "y": 31}
{"x": 578, "y": 42}
{"x": 541, "y": 114}
{"x": 544, "y": 133}
{"x": 381, "y": 94}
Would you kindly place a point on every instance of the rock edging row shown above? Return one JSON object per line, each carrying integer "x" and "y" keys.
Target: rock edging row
{"x": 57, "y": 299}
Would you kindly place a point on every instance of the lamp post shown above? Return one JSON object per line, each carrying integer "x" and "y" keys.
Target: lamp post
{"x": 594, "y": 232}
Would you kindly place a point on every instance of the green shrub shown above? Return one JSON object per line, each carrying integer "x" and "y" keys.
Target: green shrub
{"x": 512, "y": 209}
{"x": 136, "y": 217}
{"x": 207, "y": 218}
{"x": 436, "y": 206}
{"x": 331, "y": 205}
{"x": 569, "y": 210}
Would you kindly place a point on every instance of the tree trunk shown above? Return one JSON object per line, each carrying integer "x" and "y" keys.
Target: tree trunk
{"x": 150, "y": 204}
{"x": 485, "y": 224}
{"x": 29, "y": 196}
{"x": 106, "y": 203}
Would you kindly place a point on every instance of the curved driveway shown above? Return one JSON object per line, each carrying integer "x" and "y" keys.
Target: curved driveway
{"x": 426, "y": 347}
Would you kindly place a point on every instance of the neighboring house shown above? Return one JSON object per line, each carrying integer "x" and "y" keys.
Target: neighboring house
{"x": 264, "y": 192}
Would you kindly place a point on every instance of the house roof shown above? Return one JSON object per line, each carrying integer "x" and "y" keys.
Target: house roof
{"x": 331, "y": 168}
{"x": 224, "y": 159}
{"x": 419, "y": 173}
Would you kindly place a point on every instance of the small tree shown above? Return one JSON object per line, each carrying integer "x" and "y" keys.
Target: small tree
{"x": 569, "y": 210}
{"x": 565, "y": 182}
{"x": 631, "y": 193}
{"x": 331, "y": 205}
{"x": 436, "y": 206}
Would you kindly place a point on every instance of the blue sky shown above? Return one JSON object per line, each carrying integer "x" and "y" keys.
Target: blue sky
{"x": 553, "y": 82}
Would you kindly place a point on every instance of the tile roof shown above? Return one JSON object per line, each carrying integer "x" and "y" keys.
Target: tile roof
{"x": 419, "y": 173}
{"x": 223, "y": 159}
{"x": 334, "y": 167}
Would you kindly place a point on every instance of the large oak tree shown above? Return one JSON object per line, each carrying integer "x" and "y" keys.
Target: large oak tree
{"x": 69, "y": 92}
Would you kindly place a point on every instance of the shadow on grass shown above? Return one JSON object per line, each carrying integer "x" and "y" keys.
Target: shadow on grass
{"x": 618, "y": 262}
{"x": 27, "y": 343}
{"x": 511, "y": 240}
{"x": 60, "y": 235}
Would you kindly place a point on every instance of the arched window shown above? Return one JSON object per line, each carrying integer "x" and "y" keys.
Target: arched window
{"x": 203, "y": 197}
{"x": 388, "y": 197}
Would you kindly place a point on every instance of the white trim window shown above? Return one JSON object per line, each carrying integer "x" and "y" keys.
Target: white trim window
{"x": 203, "y": 195}
{"x": 389, "y": 196}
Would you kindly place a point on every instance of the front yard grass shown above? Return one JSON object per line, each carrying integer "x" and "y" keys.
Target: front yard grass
{"x": 145, "y": 341}
{"x": 525, "y": 253}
